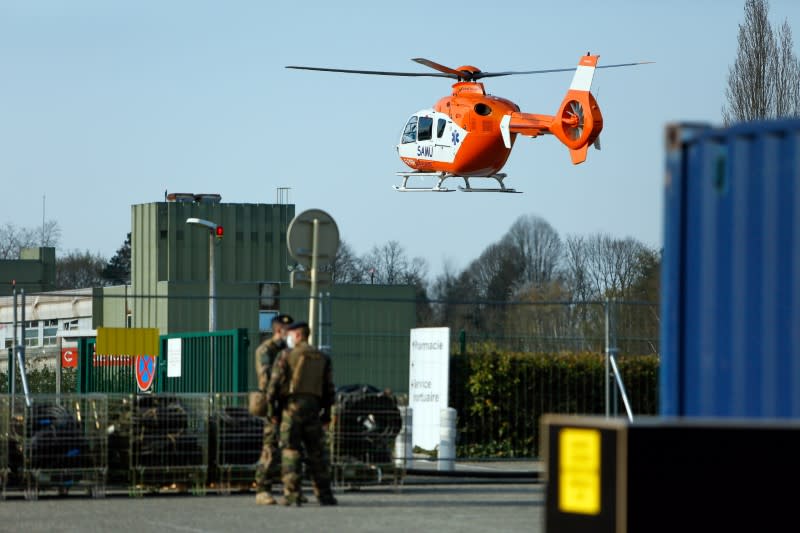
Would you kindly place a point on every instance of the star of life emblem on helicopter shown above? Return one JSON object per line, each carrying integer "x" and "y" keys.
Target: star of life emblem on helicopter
{"x": 455, "y": 138}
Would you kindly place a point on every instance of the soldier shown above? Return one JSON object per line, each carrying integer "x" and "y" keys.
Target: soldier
{"x": 268, "y": 466}
{"x": 301, "y": 387}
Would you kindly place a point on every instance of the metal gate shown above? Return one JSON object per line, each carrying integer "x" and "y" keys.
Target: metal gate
{"x": 201, "y": 362}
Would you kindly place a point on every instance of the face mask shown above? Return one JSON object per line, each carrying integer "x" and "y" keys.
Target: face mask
{"x": 290, "y": 341}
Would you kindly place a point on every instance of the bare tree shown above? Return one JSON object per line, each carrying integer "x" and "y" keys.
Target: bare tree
{"x": 786, "y": 75}
{"x": 763, "y": 81}
{"x": 346, "y": 266}
{"x": 78, "y": 270}
{"x": 539, "y": 246}
{"x": 576, "y": 268}
{"x": 497, "y": 272}
{"x": 13, "y": 239}
{"x": 614, "y": 265}
{"x": 453, "y": 290}
{"x": 386, "y": 264}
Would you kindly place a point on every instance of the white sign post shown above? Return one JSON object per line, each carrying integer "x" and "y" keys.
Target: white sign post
{"x": 174, "y": 358}
{"x": 428, "y": 383}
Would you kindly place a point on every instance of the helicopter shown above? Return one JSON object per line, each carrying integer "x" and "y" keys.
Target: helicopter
{"x": 469, "y": 134}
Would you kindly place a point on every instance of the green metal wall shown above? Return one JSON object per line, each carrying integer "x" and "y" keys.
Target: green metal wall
{"x": 368, "y": 330}
{"x": 114, "y": 306}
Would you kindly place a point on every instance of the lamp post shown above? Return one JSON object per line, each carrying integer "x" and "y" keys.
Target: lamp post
{"x": 214, "y": 231}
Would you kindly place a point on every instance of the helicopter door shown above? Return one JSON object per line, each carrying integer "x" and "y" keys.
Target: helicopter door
{"x": 445, "y": 149}
{"x": 425, "y": 142}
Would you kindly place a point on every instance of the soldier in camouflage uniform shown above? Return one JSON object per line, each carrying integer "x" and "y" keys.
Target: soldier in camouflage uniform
{"x": 268, "y": 466}
{"x": 301, "y": 388}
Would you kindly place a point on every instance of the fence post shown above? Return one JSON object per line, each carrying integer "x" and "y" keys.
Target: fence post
{"x": 447, "y": 439}
{"x": 403, "y": 449}
{"x": 611, "y": 350}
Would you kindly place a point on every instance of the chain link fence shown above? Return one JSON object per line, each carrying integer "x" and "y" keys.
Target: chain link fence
{"x": 511, "y": 362}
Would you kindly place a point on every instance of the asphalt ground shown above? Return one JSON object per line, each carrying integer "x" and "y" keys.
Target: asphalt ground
{"x": 419, "y": 505}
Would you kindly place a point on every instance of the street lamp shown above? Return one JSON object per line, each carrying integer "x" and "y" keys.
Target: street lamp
{"x": 214, "y": 230}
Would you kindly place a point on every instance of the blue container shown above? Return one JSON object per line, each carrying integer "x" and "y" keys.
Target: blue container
{"x": 730, "y": 330}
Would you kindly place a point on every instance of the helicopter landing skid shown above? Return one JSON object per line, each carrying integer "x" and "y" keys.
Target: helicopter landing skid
{"x": 498, "y": 177}
{"x": 441, "y": 176}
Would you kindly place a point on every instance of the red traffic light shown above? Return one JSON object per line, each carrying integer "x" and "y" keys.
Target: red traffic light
{"x": 219, "y": 232}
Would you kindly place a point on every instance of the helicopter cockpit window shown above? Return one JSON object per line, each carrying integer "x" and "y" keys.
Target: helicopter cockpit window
{"x": 410, "y": 131}
{"x": 425, "y": 132}
{"x": 440, "y": 124}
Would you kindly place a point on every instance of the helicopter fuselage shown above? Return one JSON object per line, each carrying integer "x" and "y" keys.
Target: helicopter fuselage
{"x": 460, "y": 135}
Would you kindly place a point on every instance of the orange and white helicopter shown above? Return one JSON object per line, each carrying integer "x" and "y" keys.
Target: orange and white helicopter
{"x": 470, "y": 133}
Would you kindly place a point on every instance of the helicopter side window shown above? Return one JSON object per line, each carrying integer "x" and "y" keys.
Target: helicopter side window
{"x": 425, "y": 132}
{"x": 440, "y": 125}
{"x": 410, "y": 131}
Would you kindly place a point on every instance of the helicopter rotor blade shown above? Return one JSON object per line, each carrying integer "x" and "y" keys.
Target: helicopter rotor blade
{"x": 447, "y": 72}
{"x": 372, "y": 72}
{"x": 451, "y": 73}
{"x": 479, "y": 75}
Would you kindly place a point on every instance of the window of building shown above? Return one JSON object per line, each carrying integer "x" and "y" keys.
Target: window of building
{"x": 425, "y": 131}
{"x": 265, "y": 321}
{"x": 31, "y": 335}
{"x": 49, "y": 330}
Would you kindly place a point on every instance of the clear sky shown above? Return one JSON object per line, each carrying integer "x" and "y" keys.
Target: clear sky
{"x": 105, "y": 104}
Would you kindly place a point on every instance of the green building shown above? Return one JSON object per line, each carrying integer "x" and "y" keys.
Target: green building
{"x": 365, "y": 326}
{"x": 34, "y": 271}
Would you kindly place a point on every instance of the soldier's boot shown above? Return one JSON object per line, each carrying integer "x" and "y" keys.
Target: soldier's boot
{"x": 327, "y": 499}
{"x": 291, "y": 499}
{"x": 265, "y": 498}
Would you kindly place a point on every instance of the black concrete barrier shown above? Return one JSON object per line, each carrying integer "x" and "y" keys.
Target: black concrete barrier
{"x": 662, "y": 474}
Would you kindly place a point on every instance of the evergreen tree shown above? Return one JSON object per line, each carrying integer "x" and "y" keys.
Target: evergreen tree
{"x": 118, "y": 269}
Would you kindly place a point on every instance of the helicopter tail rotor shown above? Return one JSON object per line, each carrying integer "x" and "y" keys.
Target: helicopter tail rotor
{"x": 578, "y": 122}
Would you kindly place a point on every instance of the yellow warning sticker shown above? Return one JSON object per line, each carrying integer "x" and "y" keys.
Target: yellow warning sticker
{"x": 579, "y": 471}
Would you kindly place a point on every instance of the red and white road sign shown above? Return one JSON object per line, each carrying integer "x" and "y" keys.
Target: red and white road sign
{"x": 69, "y": 357}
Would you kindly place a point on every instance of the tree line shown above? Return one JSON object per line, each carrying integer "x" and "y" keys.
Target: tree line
{"x": 532, "y": 287}
{"x": 75, "y": 269}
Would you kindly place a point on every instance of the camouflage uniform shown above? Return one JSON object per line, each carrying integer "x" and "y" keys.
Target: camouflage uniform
{"x": 301, "y": 387}
{"x": 268, "y": 467}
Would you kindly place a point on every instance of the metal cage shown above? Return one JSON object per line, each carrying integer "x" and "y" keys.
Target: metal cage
{"x": 58, "y": 442}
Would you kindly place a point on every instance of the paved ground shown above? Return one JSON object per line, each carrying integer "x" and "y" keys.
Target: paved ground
{"x": 419, "y": 506}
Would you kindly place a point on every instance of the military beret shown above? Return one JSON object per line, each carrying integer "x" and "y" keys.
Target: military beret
{"x": 282, "y": 319}
{"x": 297, "y": 325}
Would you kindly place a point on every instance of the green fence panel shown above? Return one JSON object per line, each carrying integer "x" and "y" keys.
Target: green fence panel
{"x": 117, "y": 374}
{"x": 194, "y": 372}
{"x": 104, "y": 373}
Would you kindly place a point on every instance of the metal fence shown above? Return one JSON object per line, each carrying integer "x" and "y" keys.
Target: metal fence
{"x": 235, "y": 440}
{"x": 363, "y": 435}
{"x": 159, "y": 440}
{"x": 57, "y": 443}
{"x": 556, "y": 351}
